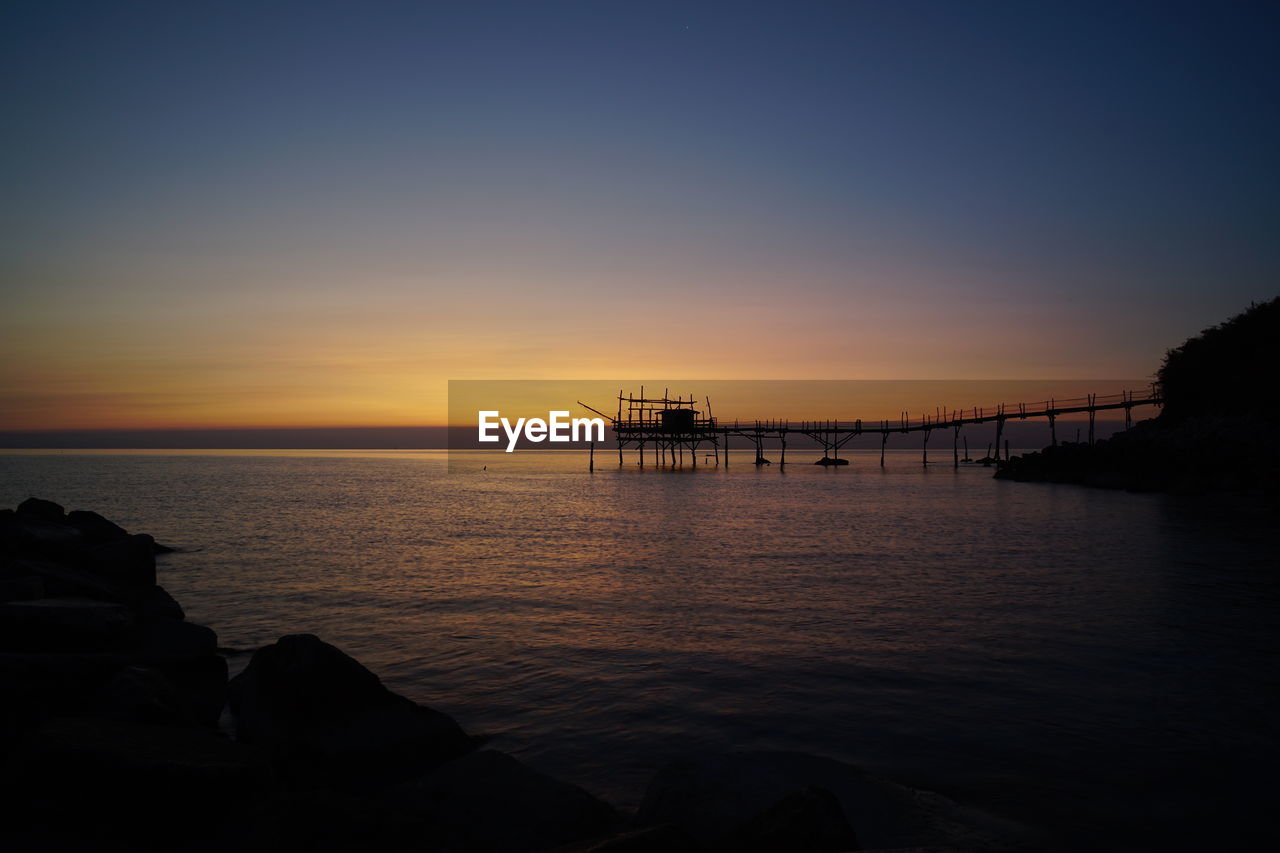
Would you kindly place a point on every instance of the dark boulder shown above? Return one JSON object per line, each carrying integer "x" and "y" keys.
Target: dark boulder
{"x": 123, "y": 782}
{"x": 64, "y": 624}
{"x": 21, "y": 533}
{"x": 809, "y": 820}
{"x": 130, "y": 561}
{"x": 154, "y": 602}
{"x": 94, "y": 528}
{"x": 63, "y": 581}
{"x": 143, "y": 694}
{"x": 19, "y": 587}
{"x": 649, "y": 839}
{"x": 187, "y": 655}
{"x": 46, "y": 510}
{"x": 328, "y": 721}
{"x": 324, "y": 822}
{"x": 490, "y": 801}
{"x": 37, "y": 685}
{"x": 791, "y": 801}
{"x": 170, "y": 639}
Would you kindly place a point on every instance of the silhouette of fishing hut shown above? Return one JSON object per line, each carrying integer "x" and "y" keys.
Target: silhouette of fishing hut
{"x": 671, "y": 426}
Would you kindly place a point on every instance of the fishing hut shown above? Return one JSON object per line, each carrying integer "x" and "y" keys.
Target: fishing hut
{"x": 664, "y": 428}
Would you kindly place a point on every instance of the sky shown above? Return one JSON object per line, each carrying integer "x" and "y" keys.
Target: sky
{"x": 316, "y": 214}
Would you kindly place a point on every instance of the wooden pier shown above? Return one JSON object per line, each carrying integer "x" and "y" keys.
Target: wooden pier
{"x": 663, "y": 429}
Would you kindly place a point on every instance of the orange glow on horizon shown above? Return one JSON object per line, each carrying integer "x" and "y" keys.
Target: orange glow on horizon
{"x": 386, "y": 362}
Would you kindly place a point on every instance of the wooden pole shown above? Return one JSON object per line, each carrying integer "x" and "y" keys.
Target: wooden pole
{"x": 591, "y": 466}
{"x": 884, "y": 439}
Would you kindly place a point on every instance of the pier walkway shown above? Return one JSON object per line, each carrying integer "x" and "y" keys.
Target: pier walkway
{"x": 670, "y": 426}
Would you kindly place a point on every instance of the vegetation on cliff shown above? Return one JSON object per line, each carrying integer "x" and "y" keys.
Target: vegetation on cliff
{"x": 1228, "y": 369}
{"x": 1216, "y": 431}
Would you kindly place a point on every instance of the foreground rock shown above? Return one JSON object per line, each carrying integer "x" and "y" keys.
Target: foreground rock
{"x": 328, "y": 722}
{"x": 117, "y": 780}
{"x": 490, "y": 801}
{"x": 770, "y": 801}
{"x": 78, "y": 604}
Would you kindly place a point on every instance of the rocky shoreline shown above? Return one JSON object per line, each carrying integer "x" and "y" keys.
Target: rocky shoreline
{"x": 116, "y": 737}
{"x": 1190, "y": 457}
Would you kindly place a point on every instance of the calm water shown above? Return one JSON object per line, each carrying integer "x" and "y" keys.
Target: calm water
{"x": 1100, "y": 664}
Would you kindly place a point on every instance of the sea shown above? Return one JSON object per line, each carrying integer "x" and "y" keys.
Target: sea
{"x": 1098, "y": 665}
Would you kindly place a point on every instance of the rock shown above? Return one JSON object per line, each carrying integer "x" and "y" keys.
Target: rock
{"x": 154, "y": 602}
{"x": 725, "y": 801}
{"x": 155, "y": 786}
{"x": 187, "y": 656}
{"x": 64, "y": 624}
{"x": 21, "y": 533}
{"x": 169, "y": 639}
{"x": 490, "y": 801}
{"x": 37, "y": 685}
{"x": 142, "y": 694}
{"x": 21, "y": 588}
{"x": 322, "y": 821}
{"x": 650, "y": 839}
{"x": 47, "y": 510}
{"x": 298, "y": 677}
{"x": 94, "y": 528}
{"x": 809, "y": 820}
{"x": 1189, "y": 456}
{"x": 63, "y": 581}
{"x": 201, "y": 680}
{"x": 129, "y": 562}
{"x": 329, "y": 722}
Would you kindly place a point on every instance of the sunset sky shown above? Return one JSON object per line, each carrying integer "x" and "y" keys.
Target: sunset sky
{"x": 314, "y": 213}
